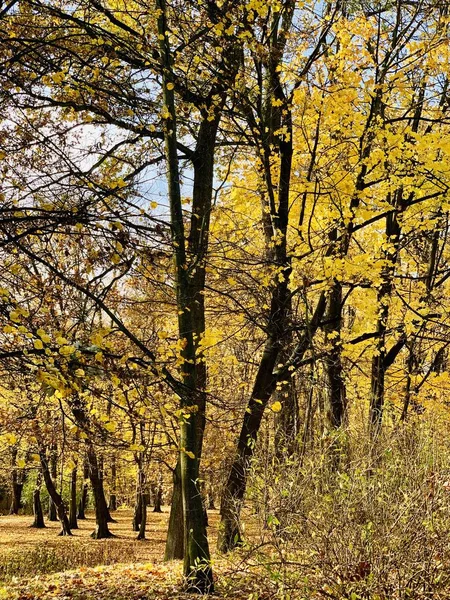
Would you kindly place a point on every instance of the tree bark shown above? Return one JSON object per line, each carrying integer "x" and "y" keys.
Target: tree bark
{"x": 175, "y": 534}
{"x": 336, "y": 397}
{"x": 55, "y": 497}
{"x": 138, "y": 507}
{"x": 84, "y": 492}
{"x": 17, "y": 482}
{"x": 52, "y": 510}
{"x": 287, "y": 420}
{"x": 143, "y": 524}
{"x": 101, "y": 508}
{"x": 38, "y": 522}
{"x": 73, "y": 499}
{"x": 379, "y": 366}
{"x": 112, "y": 495}
{"x": 158, "y": 490}
{"x": 189, "y": 287}
{"x": 265, "y": 382}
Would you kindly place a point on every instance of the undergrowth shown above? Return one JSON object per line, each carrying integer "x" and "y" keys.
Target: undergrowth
{"x": 352, "y": 521}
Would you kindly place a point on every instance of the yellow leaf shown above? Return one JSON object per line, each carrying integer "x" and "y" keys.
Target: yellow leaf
{"x": 137, "y": 447}
{"x": 11, "y": 438}
{"x": 276, "y": 407}
{"x": 38, "y": 344}
{"x": 66, "y": 350}
{"x": 58, "y": 77}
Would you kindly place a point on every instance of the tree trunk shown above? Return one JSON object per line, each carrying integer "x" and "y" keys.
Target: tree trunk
{"x": 101, "y": 508}
{"x": 158, "y": 496}
{"x": 336, "y": 397}
{"x": 112, "y": 495}
{"x": 379, "y": 365}
{"x": 37, "y": 506}
{"x": 73, "y": 499}
{"x": 102, "y": 515}
{"x": 16, "y": 484}
{"x": 204, "y": 503}
{"x": 55, "y": 497}
{"x": 287, "y": 420}
{"x": 189, "y": 288}
{"x": 16, "y": 502}
{"x": 84, "y": 492}
{"x": 143, "y": 524}
{"x": 382, "y": 360}
{"x": 52, "y": 510}
{"x": 138, "y": 507}
{"x": 175, "y": 534}
{"x": 197, "y": 567}
{"x": 278, "y": 194}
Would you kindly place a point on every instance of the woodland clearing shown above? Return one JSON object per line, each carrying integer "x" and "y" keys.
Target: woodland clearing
{"x": 32, "y": 564}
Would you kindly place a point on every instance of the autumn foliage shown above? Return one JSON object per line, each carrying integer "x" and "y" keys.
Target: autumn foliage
{"x": 224, "y": 283}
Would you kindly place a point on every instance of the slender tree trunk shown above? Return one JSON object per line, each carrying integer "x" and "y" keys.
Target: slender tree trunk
{"x": 56, "y": 498}
{"x": 175, "y": 534}
{"x": 409, "y": 372}
{"x": 17, "y": 487}
{"x": 101, "y": 478}
{"x": 138, "y": 507}
{"x": 16, "y": 502}
{"x": 73, "y": 499}
{"x": 52, "y": 510}
{"x": 287, "y": 420}
{"x": 266, "y": 380}
{"x": 336, "y": 397}
{"x": 102, "y": 515}
{"x": 101, "y": 508}
{"x": 382, "y": 360}
{"x": 335, "y": 412}
{"x": 38, "y": 522}
{"x": 84, "y": 492}
{"x": 18, "y": 477}
{"x": 379, "y": 365}
{"x": 158, "y": 496}
{"x": 189, "y": 287}
{"x": 204, "y": 503}
{"x": 143, "y": 524}
{"x": 112, "y": 496}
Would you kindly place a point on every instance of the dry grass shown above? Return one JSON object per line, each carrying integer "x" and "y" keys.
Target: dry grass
{"x": 17, "y": 535}
{"x": 36, "y": 564}
{"x": 43, "y": 566}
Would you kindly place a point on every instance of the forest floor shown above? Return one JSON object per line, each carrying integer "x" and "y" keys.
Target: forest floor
{"x": 36, "y": 564}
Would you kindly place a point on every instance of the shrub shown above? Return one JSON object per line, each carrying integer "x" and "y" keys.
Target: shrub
{"x": 362, "y": 523}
